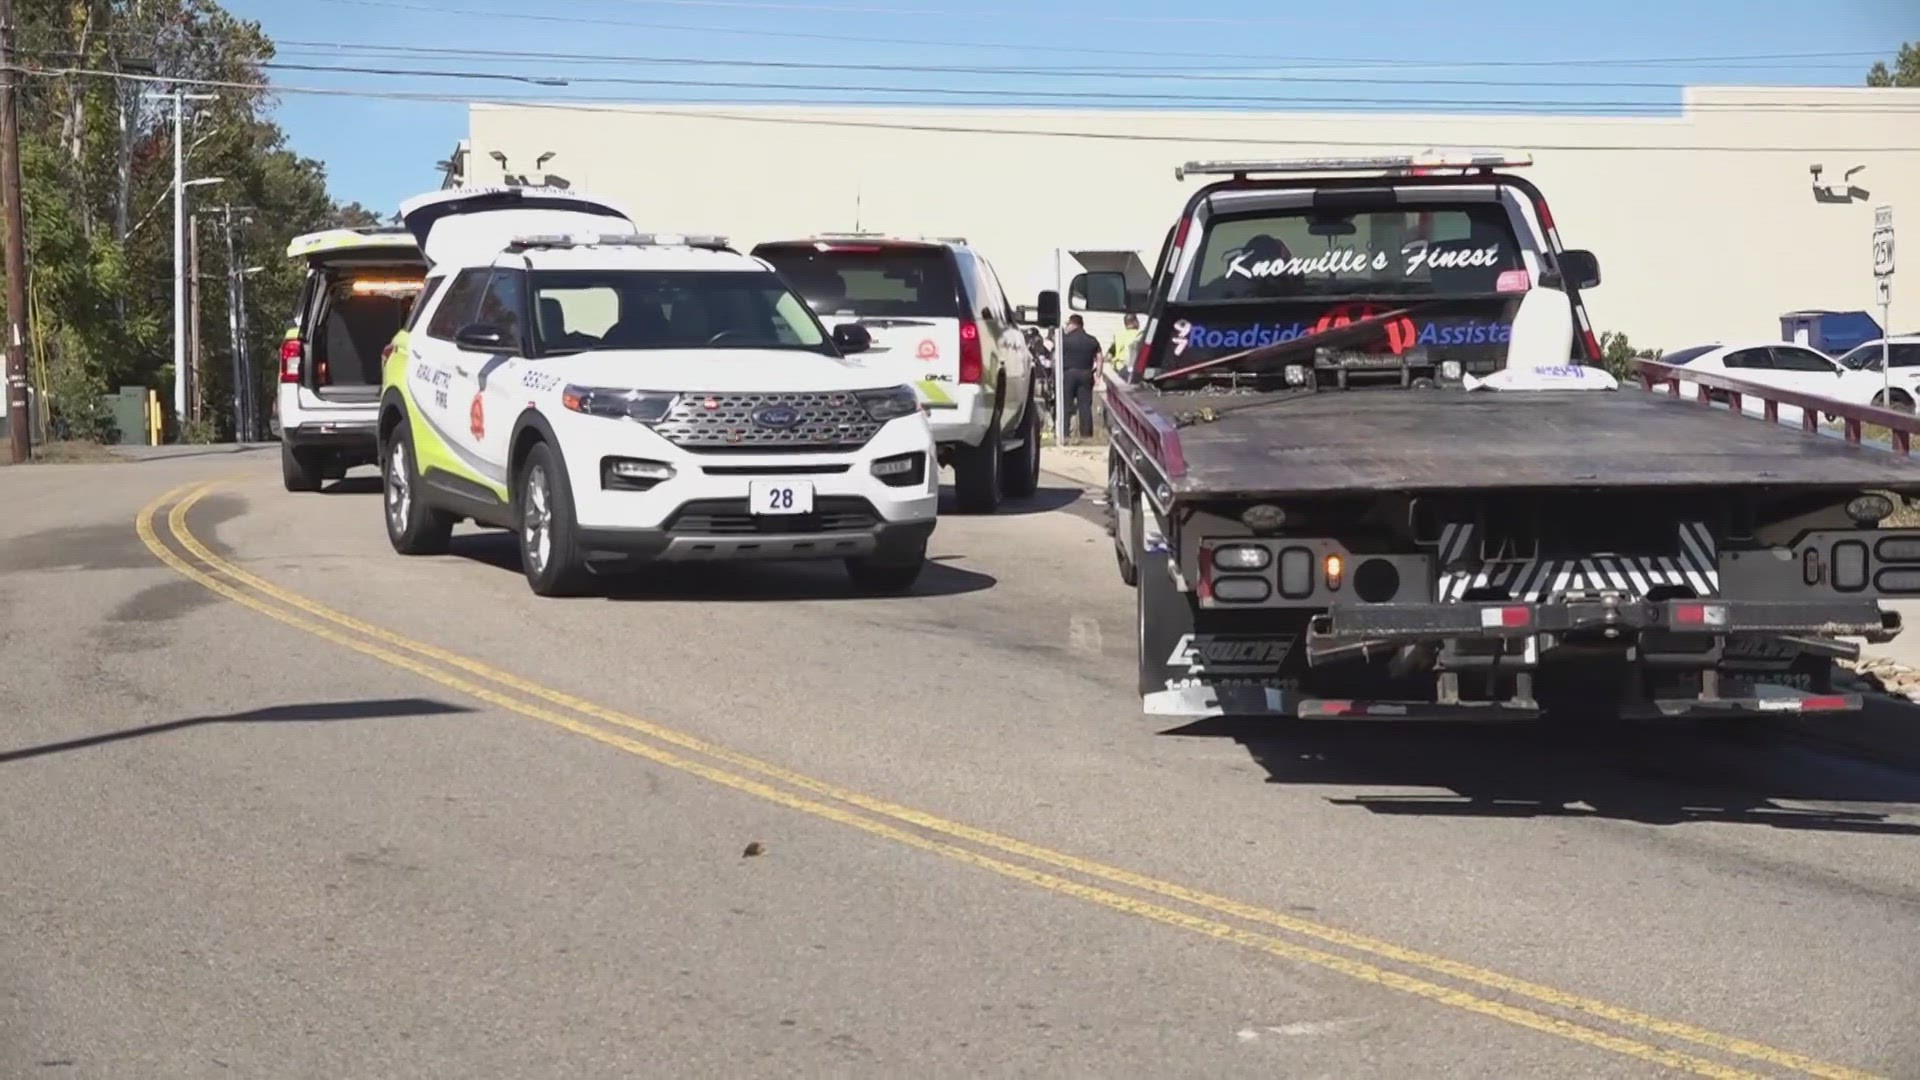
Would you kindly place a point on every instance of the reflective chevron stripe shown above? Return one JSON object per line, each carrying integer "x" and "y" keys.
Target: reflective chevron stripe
{"x": 1696, "y": 568}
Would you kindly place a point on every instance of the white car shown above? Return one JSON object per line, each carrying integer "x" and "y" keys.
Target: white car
{"x": 1905, "y": 354}
{"x": 620, "y": 399}
{"x": 359, "y": 286}
{"x": 1781, "y": 365}
{"x": 939, "y": 320}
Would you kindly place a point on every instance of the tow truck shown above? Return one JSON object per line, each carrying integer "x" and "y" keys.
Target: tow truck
{"x": 1365, "y": 462}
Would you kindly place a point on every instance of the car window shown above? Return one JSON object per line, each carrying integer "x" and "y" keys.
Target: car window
{"x": 869, "y": 280}
{"x": 592, "y": 310}
{"x": 1682, "y": 356}
{"x": 504, "y": 302}
{"x": 1441, "y": 249}
{"x": 997, "y": 291}
{"x": 425, "y": 300}
{"x": 1789, "y": 359}
{"x": 457, "y": 308}
{"x": 1867, "y": 357}
{"x": 1749, "y": 360}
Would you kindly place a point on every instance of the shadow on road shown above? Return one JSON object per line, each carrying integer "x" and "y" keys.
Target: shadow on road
{"x": 355, "y": 485}
{"x": 1046, "y": 500}
{"x": 805, "y": 579}
{"x": 1644, "y": 773}
{"x": 318, "y": 712}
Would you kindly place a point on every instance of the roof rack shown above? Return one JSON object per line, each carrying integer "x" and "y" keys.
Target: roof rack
{"x": 703, "y": 242}
{"x": 886, "y": 237}
{"x": 1466, "y": 161}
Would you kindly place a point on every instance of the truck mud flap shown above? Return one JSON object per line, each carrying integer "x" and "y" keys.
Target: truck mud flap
{"x": 1212, "y": 663}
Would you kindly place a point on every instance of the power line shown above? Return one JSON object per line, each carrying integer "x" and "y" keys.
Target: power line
{"x": 1552, "y": 104}
{"x": 1268, "y": 76}
{"x": 708, "y": 111}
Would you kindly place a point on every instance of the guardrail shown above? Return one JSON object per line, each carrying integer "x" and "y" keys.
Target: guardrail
{"x": 1902, "y": 426}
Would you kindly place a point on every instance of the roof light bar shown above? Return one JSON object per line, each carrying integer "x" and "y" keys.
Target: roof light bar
{"x": 689, "y": 240}
{"x": 1431, "y": 159}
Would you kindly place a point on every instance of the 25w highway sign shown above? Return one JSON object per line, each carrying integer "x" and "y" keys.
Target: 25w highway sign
{"x": 1883, "y": 242}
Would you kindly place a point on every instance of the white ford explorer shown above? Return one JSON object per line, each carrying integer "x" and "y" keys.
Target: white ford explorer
{"x": 619, "y": 398}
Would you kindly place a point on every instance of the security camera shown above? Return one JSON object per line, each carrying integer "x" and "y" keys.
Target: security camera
{"x": 1815, "y": 170}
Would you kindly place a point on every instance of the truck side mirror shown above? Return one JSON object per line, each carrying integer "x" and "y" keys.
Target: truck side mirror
{"x": 1581, "y": 269}
{"x": 1047, "y": 312}
{"x": 481, "y": 337}
{"x": 1098, "y": 290}
{"x": 851, "y": 338}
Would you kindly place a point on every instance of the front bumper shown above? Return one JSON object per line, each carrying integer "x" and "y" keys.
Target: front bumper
{"x": 1347, "y": 628}
{"x": 703, "y": 536}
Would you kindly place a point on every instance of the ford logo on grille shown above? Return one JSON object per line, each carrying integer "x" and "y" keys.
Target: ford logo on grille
{"x": 776, "y": 416}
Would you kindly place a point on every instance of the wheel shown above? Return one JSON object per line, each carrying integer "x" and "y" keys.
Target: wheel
{"x": 297, "y": 470}
{"x": 550, "y": 552}
{"x": 976, "y": 472}
{"x": 1901, "y": 400}
{"x": 889, "y": 576}
{"x": 413, "y": 527}
{"x": 1020, "y": 470}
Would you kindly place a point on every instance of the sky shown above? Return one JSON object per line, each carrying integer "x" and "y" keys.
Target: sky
{"x": 1626, "y": 56}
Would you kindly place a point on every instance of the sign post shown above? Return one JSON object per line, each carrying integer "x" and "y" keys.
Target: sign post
{"x": 1883, "y": 280}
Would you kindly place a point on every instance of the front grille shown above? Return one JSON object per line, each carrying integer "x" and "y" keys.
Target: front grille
{"x": 821, "y": 421}
{"x": 726, "y": 517}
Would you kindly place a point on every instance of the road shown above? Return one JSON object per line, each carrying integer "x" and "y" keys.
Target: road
{"x": 286, "y": 804}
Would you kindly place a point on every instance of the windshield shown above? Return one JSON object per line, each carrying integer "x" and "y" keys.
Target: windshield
{"x": 588, "y": 310}
{"x": 1442, "y": 249}
{"x": 1867, "y": 357}
{"x": 871, "y": 281}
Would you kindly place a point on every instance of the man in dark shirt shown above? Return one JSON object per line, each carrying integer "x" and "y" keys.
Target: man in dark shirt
{"x": 1079, "y": 359}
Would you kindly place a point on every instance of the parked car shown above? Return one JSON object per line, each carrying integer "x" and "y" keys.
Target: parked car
{"x": 1782, "y": 365}
{"x": 1905, "y": 354}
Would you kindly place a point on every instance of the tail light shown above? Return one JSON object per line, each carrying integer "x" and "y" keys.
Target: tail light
{"x": 972, "y": 366}
{"x": 290, "y": 356}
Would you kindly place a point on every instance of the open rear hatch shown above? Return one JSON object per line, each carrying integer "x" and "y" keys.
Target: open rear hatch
{"x": 365, "y": 283}
{"x": 475, "y": 223}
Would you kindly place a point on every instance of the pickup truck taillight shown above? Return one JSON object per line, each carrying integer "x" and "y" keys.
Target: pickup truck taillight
{"x": 290, "y": 356}
{"x": 972, "y": 367}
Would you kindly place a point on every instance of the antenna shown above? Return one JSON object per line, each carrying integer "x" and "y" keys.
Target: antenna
{"x": 857, "y": 187}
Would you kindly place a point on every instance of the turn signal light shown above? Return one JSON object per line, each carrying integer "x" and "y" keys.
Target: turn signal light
{"x": 290, "y": 360}
{"x": 1336, "y": 572}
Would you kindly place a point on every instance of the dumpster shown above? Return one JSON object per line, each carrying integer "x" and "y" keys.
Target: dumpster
{"x": 1831, "y": 332}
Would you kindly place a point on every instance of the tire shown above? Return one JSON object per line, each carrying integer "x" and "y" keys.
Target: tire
{"x": 413, "y": 527}
{"x": 1020, "y": 470}
{"x": 976, "y": 472}
{"x": 1136, "y": 532}
{"x": 297, "y": 471}
{"x": 889, "y": 577}
{"x": 1901, "y": 400}
{"x": 550, "y": 553}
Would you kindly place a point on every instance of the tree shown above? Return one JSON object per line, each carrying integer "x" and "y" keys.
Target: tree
{"x": 1906, "y": 68}
{"x": 1618, "y": 354}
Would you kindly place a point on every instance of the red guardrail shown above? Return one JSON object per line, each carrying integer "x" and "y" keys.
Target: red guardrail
{"x": 1902, "y": 425}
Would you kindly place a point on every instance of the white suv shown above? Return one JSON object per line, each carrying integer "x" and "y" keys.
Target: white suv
{"x": 619, "y": 398}
{"x": 940, "y": 321}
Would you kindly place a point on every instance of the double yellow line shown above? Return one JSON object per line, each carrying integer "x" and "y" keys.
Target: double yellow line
{"x": 1555, "y": 1012}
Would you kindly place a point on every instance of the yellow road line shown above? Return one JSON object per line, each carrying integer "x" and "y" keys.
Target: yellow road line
{"x": 1439, "y": 965}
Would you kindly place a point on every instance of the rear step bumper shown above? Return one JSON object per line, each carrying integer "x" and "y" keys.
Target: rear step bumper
{"x": 1348, "y": 629}
{"x": 1208, "y": 702}
{"x": 332, "y": 434}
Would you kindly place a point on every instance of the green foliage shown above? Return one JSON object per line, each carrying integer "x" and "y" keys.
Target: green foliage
{"x": 1905, "y": 72}
{"x": 97, "y": 170}
{"x": 1618, "y": 354}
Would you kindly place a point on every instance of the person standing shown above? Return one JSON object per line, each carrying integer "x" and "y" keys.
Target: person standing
{"x": 1123, "y": 341}
{"x": 1078, "y": 360}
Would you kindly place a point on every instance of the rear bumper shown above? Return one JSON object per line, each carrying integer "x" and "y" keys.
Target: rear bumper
{"x": 1201, "y": 702}
{"x": 332, "y": 435}
{"x": 1391, "y": 625}
{"x": 882, "y": 540}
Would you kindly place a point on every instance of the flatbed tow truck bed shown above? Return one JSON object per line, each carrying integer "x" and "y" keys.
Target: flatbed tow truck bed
{"x": 1331, "y": 443}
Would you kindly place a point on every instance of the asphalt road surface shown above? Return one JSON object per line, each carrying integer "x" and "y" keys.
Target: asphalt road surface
{"x": 277, "y": 802}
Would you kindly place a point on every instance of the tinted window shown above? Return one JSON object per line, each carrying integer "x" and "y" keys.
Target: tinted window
{"x": 1749, "y": 359}
{"x": 424, "y": 300}
{"x": 1801, "y": 360}
{"x": 504, "y": 303}
{"x": 1867, "y": 357}
{"x": 1682, "y": 356}
{"x": 870, "y": 281}
{"x": 456, "y": 310}
{"x": 1441, "y": 250}
{"x": 584, "y": 310}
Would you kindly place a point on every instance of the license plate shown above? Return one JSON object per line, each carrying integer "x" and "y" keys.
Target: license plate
{"x": 780, "y": 496}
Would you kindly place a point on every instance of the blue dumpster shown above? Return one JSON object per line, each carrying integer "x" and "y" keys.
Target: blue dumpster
{"x": 1832, "y": 332}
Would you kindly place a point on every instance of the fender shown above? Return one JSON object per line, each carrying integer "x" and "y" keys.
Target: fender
{"x": 529, "y": 423}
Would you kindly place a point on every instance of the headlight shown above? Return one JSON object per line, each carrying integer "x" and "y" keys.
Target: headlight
{"x": 644, "y": 406}
{"x": 890, "y": 404}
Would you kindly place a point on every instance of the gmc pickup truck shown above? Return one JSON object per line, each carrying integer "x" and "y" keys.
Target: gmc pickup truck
{"x": 1365, "y": 462}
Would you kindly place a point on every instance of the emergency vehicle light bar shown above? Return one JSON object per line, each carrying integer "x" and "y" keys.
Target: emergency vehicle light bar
{"x": 1482, "y": 160}
{"x": 704, "y": 242}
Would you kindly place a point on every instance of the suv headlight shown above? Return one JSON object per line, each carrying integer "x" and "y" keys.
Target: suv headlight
{"x": 644, "y": 406}
{"x": 891, "y": 403}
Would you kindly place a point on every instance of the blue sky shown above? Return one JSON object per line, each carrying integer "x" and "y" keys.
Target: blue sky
{"x": 380, "y": 151}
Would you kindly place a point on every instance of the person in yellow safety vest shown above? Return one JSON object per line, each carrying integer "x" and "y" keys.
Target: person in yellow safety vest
{"x": 1123, "y": 340}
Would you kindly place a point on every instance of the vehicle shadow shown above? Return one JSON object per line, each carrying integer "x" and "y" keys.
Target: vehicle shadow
{"x": 317, "y": 712}
{"x": 354, "y": 485}
{"x": 803, "y": 579}
{"x": 1046, "y": 500}
{"x": 1649, "y": 774}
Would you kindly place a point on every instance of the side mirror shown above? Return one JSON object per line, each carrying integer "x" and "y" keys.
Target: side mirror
{"x": 1047, "y": 311}
{"x": 1580, "y": 269}
{"x": 1098, "y": 290}
{"x": 481, "y": 337}
{"x": 852, "y": 338}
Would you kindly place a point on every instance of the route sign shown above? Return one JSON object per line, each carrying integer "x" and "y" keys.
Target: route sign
{"x": 1883, "y": 242}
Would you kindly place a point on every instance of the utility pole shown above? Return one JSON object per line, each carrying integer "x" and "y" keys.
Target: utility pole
{"x": 196, "y": 384}
{"x": 236, "y": 330}
{"x": 16, "y": 254}
{"x": 179, "y": 100}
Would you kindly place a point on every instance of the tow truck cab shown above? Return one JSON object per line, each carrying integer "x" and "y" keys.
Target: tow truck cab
{"x": 1327, "y": 510}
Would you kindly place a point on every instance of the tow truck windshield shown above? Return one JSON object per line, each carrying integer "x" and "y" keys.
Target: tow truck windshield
{"x": 1438, "y": 249}
{"x": 591, "y": 310}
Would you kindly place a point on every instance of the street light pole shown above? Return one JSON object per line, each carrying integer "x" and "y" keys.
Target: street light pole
{"x": 179, "y": 98}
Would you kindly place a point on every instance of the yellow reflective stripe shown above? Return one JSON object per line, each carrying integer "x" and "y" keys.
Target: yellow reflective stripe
{"x": 337, "y": 239}
{"x": 933, "y": 395}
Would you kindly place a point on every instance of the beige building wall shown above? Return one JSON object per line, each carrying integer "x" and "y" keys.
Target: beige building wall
{"x": 1695, "y": 244}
